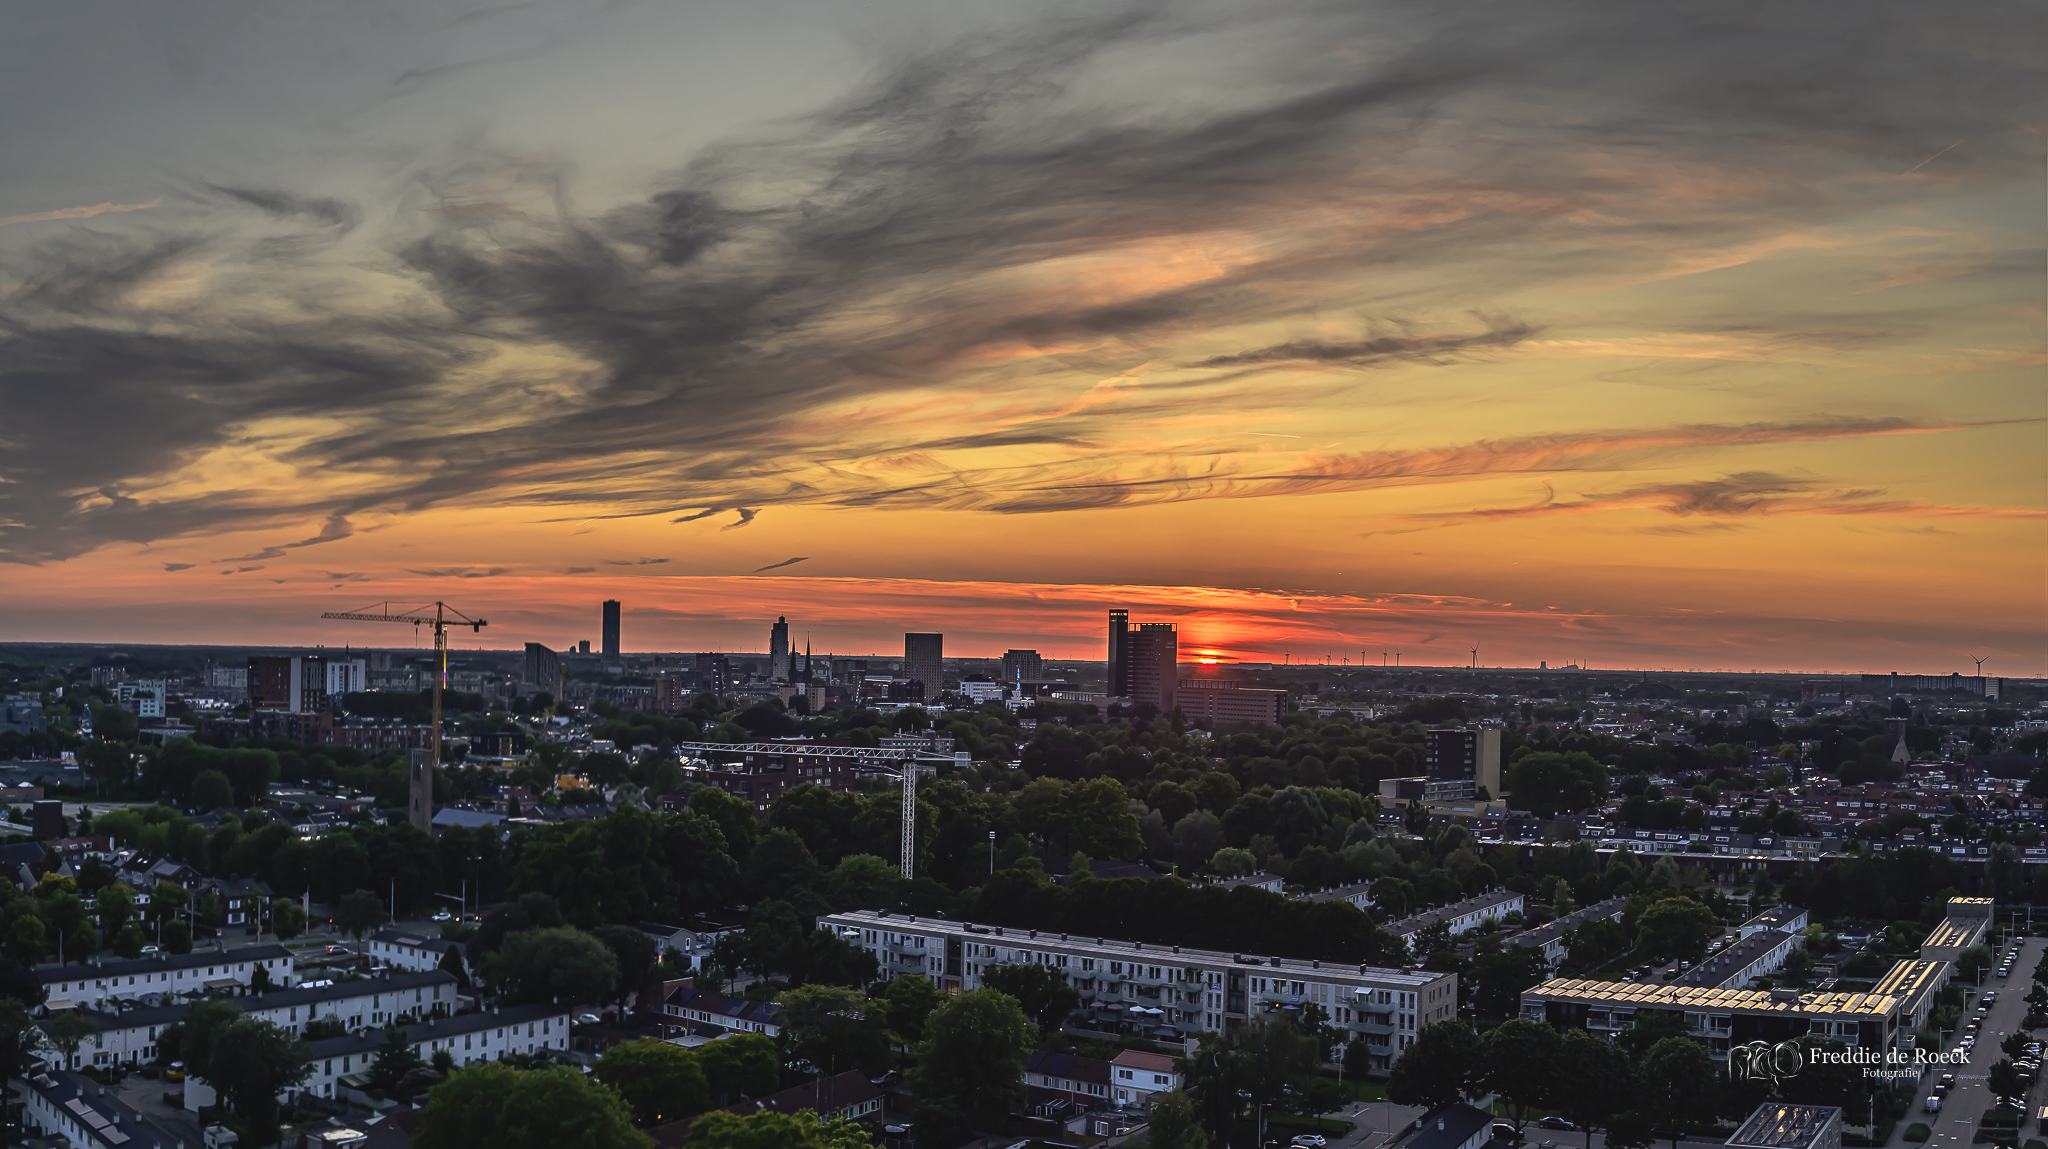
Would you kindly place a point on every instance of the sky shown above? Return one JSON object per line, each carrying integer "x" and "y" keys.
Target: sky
{"x": 1690, "y": 335}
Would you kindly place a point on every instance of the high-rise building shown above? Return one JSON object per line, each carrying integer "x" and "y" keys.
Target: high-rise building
{"x": 611, "y": 630}
{"x": 1022, "y": 666}
{"x": 583, "y": 646}
{"x": 1154, "y": 664}
{"x": 924, "y": 658}
{"x": 714, "y": 674}
{"x": 1459, "y": 762}
{"x": 541, "y": 668}
{"x": 1119, "y": 684}
{"x": 295, "y": 684}
{"x": 1228, "y": 700}
{"x": 347, "y": 676}
{"x": 778, "y": 650}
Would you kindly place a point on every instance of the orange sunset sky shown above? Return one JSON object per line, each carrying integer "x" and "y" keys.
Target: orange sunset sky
{"x": 1703, "y": 336}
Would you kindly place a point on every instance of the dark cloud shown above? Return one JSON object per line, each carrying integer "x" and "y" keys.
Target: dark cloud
{"x": 842, "y": 259}
{"x": 634, "y": 562}
{"x": 460, "y": 572}
{"x": 783, "y": 563}
{"x": 178, "y": 566}
{"x": 1386, "y": 348}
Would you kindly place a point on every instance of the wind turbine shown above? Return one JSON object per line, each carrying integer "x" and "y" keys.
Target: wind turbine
{"x": 1475, "y": 658}
{"x": 1980, "y": 663}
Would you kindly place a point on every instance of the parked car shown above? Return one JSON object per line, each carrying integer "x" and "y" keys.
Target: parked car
{"x": 150, "y": 951}
{"x": 1502, "y": 1131}
{"x": 1948, "y": 1081}
{"x": 1557, "y": 1123}
{"x": 1309, "y": 1141}
{"x": 176, "y": 1072}
{"x": 444, "y": 916}
{"x": 1990, "y": 997}
{"x": 1933, "y": 1105}
{"x": 1940, "y": 1089}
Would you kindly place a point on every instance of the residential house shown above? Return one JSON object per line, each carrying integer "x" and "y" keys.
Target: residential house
{"x": 493, "y": 1035}
{"x": 1140, "y": 1076}
{"x": 413, "y": 951}
{"x": 700, "y": 1011}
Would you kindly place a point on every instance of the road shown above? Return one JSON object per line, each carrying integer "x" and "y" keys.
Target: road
{"x": 1956, "y": 1124}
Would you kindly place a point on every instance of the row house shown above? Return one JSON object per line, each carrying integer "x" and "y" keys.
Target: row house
{"x": 469, "y": 1038}
{"x": 691, "y": 1010}
{"x": 94, "y": 985}
{"x": 1463, "y": 917}
{"x": 130, "y": 1037}
{"x": 412, "y": 951}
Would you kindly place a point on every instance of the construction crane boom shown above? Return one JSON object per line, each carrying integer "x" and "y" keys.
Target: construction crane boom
{"x": 440, "y": 616}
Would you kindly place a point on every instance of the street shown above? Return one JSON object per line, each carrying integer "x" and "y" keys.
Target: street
{"x": 1956, "y": 1124}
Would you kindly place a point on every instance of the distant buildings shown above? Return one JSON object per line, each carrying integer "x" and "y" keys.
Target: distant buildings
{"x": 1460, "y": 762}
{"x": 924, "y": 659}
{"x": 1144, "y": 662}
{"x": 303, "y": 684}
{"x": 542, "y": 667}
{"x": 1228, "y": 700}
{"x": 611, "y": 631}
{"x": 1022, "y": 666}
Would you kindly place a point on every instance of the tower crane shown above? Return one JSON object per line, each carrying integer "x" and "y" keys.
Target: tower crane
{"x": 440, "y": 616}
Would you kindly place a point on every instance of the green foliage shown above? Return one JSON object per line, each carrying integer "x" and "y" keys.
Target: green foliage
{"x": 829, "y": 1028}
{"x": 557, "y": 964}
{"x": 738, "y": 1067}
{"x": 659, "y": 1082}
{"x": 69, "y": 1030}
{"x": 1546, "y": 782}
{"x": 1173, "y": 1124}
{"x": 250, "y": 1062}
{"x": 1040, "y": 990}
{"x": 907, "y": 1000}
{"x": 1675, "y": 927}
{"x": 493, "y": 1104}
{"x": 973, "y": 1052}
{"x": 1437, "y": 1068}
{"x": 803, "y": 1130}
{"x": 360, "y": 913}
{"x": 1676, "y": 1083}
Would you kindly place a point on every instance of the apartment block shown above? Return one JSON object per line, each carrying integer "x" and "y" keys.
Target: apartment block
{"x": 1168, "y": 993}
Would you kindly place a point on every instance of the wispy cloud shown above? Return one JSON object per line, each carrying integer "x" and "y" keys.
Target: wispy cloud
{"x": 1748, "y": 494}
{"x": 783, "y": 563}
{"x": 461, "y": 572}
{"x": 634, "y": 562}
{"x": 86, "y": 212}
{"x": 178, "y": 566}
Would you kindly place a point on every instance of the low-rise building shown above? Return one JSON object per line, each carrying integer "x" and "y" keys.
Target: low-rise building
{"x": 92, "y": 985}
{"x": 1137, "y": 1076}
{"x": 491, "y": 1035}
{"x": 90, "y": 1116}
{"x": 1787, "y": 919}
{"x": 689, "y": 1009}
{"x": 1163, "y": 992}
{"x": 1082, "y": 1082}
{"x": 1755, "y": 954}
{"x": 1458, "y": 1126}
{"x": 413, "y": 951}
{"x": 848, "y": 1096}
{"x": 1552, "y": 936}
{"x": 1720, "y": 1017}
{"x": 1464, "y": 916}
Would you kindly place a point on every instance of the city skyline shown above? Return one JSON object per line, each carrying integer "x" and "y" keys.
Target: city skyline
{"x": 1687, "y": 337}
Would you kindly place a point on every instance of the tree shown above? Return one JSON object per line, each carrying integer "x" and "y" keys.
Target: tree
{"x": 452, "y": 965}
{"x": 82, "y": 944}
{"x": 1233, "y": 862}
{"x": 177, "y": 938}
{"x": 1041, "y": 991}
{"x": 1173, "y": 1124}
{"x": 1675, "y": 1082}
{"x": 287, "y": 919}
{"x": 973, "y": 1052}
{"x": 27, "y": 941}
{"x": 635, "y": 953}
{"x": 1497, "y": 979}
{"x": 908, "y": 999}
{"x": 660, "y": 1082}
{"x": 802, "y": 1130}
{"x": 1095, "y": 819}
{"x": 21, "y": 1039}
{"x": 191, "y": 1038}
{"x": 1518, "y": 1061}
{"x": 827, "y": 1027}
{"x": 1436, "y": 1069}
{"x": 70, "y": 1030}
{"x": 1546, "y": 782}
{"x": 250, "y": 1063}
{"x": 1598, "y": 1082}
{"x": 2006, "y": 1080}
{"x": 505, "y": 1108}
{"x": 1676, "y": 927}
{"x": 395, "y": 1058}
{"x": 211, "y": 790}
{"x": 741, "y": 1066}
{"x": 1631, "y": 1129}
{"x": 781, "y": 866}
{"x": 359, "y": 913}
{"x": 113, "y": 906}
{"x": 863, "y": 882}
{"x": 562, "y": 963}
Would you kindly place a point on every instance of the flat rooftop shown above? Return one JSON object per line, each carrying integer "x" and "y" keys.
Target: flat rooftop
{"x": 906, "y": 923}
{"x": 1779, "y": 1126}
{"x": 1681, "y": 997}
